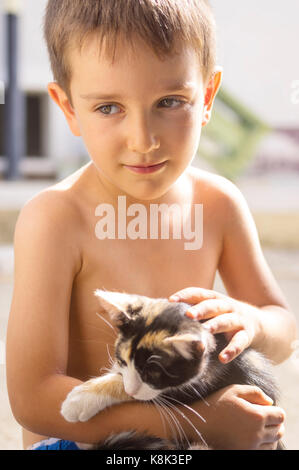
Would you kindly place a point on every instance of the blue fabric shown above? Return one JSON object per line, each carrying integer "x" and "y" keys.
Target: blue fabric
{"x": 59, "y": 445}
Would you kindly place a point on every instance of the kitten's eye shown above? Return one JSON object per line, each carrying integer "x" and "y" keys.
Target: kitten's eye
{"x": 153, "y": 371}
{"x": 151, "y": 374}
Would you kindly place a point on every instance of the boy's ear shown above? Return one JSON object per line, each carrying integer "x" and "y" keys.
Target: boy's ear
{"x": 210, "y": 94}
{"x": 60, "y": 98}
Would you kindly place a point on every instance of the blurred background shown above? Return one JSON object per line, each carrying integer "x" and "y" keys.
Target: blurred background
{"x": 252, "y": 139}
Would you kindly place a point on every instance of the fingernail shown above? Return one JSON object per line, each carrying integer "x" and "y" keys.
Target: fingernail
{"x": 268, "y": 399}
{"x": 225, "y": 357}
{"x": 190, "y": 315}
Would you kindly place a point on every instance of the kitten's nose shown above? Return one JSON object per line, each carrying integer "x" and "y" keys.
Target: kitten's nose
{"x": 132, "y": 384}
{"x": 132, "y": 389}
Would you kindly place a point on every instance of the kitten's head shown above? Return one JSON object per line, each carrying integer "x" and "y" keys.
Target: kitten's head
{"x": 158, "y": 347}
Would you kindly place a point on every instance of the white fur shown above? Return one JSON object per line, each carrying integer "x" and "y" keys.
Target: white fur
{"x": 134, "y": 386}
{"x": 182, "y": 343}
{"x": 81, "y": 405}
{"x": 132, "y": 380}
{"x": 146, "y": 393}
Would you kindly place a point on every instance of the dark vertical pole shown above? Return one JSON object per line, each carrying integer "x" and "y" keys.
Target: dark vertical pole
{"x": 14, "y": 109}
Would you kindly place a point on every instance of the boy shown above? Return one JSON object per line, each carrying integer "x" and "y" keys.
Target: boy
{"x": 140, "y": 116}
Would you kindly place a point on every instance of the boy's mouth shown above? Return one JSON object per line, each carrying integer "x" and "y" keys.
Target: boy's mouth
{"x": 145, "y": 168}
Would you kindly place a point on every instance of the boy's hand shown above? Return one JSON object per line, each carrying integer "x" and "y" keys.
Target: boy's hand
{"x": 240, "y": 417}
{"x": 238, "y": 320}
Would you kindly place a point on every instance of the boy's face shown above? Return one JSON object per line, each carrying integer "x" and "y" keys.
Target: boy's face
{"x": 140, "y": 117}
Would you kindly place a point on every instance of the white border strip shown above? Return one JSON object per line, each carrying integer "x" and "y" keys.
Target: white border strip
{"x": 2, "y": 92}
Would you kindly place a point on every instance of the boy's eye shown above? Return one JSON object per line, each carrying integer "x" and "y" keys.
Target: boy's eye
{"x": 106, "y": 109}
{"x": 169, "y": 101}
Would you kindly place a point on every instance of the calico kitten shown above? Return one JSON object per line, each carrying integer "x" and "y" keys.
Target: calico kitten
{"x": 165, "y": 357}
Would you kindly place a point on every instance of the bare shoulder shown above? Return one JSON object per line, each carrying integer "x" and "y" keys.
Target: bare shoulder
{"x": 49, "y": 205}
{"x": 216, "y": 188}
{"x": 50, "y": 223}
{"x": 58, "y": 207}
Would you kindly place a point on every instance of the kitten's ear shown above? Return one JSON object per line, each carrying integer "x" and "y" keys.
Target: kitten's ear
{"x": 114, "y": 303}
{"x": 184, "y": 342}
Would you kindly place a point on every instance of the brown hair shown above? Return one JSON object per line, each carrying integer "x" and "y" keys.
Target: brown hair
{"x": 159, "y": 23}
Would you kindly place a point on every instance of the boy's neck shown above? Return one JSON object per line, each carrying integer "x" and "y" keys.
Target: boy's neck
{"x": 180, "y": 192}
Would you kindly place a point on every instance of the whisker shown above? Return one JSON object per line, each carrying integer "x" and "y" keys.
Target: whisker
{"x": 174, "y": 423}
{"x": 188, "y": 407}
{"x": 105, "y": 369}
{"x": 107, "y": 322}
{"x": 93, "y": 341}
{"x": 188, "y": 420}
{"x": 157, "y": 406}
{"x": 102, "y": 329}
{"x": 198, "y": 394}
{"x": 181, "y": 432}
{"x": 185, "y": 392}
{"x": 110, "y": 358}
{"x": 192, "y": 425}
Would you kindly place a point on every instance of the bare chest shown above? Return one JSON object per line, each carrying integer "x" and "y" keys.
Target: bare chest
{"x": 153, "y": 268}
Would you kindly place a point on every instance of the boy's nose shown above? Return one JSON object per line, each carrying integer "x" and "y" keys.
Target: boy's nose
{"x": 141, "y": 136}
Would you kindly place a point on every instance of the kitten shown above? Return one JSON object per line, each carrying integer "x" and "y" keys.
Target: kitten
{"x": 165, "y": 357}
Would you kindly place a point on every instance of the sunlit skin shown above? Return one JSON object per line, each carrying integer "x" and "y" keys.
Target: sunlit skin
{"x": 53, "y": 321}
{"x": 152, "y": 113}
{"x": 140, "y": 122}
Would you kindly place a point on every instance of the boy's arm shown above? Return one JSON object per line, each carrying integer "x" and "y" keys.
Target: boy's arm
{"x": 255, "y": 311}
{"x": 47, "y": 258}
{"x": 248, "y": 278}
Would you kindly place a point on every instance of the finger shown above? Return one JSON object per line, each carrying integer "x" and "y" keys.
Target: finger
{"x": 254, "y": 395}
{"x": 238, "y": 343}
{"x": 194, "y": 295}
{"x": 209, "y": 308}
{"x": 273, "y": 433}
{"x": 271, "y": 446}
{"x": 276, "y": 416}
{"x": 224, "y": 323}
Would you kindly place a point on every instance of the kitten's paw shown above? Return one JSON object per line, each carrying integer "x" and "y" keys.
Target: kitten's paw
{"x": 81, "y": 405}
